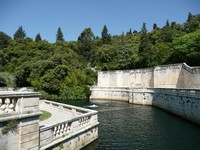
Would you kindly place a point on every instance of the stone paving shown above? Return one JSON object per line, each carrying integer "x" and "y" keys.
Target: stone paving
{"x": 57, "y": 116}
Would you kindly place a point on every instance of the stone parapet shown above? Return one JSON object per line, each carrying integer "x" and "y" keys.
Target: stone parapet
{"x": 19, "y": 120}
{"x": 73, "y": 133}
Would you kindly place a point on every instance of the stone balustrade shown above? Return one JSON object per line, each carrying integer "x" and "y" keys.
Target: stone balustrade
{"x": 82, "y": 121}
{"x": 62, "y": 129}
{"x": 74, "y": 128}
{"x": 7, "y": 105}
{"x": 21, "y": 110}
{"x": 13, "y": 103}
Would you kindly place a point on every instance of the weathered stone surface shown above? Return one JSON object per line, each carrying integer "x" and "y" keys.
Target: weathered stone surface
{"x": 29, "y": 144}
{"x": 29, "y": 137}
{"x": 55, "y": 134}
{"x": 175, "y": 88}
{"x": 29, "y": 128}
{"x": 166, "y": 76}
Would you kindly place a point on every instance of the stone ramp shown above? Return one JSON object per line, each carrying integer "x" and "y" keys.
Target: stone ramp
{"x": 57, "y": 115}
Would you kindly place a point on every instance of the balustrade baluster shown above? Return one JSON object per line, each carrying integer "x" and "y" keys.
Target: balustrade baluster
{"x": 55, "y": 130}
{"x": 65, "y": 129}
{"x": 11, "y": 106}
{"x": 7, "y": 102}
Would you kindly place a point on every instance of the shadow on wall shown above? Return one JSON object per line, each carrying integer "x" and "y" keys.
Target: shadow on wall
{"x": 189, "y": 77}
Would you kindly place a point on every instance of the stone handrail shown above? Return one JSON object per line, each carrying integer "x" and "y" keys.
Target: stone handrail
{"x": 83, "y": 119}
{"x": 14, "y": 104}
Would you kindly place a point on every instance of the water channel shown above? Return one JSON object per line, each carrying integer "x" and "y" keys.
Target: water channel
{"x": 125, "y": 126}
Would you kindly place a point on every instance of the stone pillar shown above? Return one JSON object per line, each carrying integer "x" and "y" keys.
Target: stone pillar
{"x": 19, "y": 120}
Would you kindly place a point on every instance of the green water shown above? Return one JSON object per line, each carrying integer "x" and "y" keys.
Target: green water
{"x": 125, "y": 126}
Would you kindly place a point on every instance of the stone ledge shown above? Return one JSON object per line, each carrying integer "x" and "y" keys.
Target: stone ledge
{"x": 7, "y": 117}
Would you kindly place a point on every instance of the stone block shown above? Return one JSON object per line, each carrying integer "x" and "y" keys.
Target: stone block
{"x": 29, "y": 102}
{"x": 29, "y": 137}
{"x": 29, "y": 121}
{"x": 34, "y": 148}
{"x": 29, "y": 128}
{"x": 30, "y": 144}
{"x": 46, "y": 134}
{"x": 46, "y": 141}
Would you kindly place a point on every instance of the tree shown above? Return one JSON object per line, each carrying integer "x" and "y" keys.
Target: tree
{"x": 20, "y": 33}
{"x": 190, "y": 16}
{"x": 38, "y": 38}
{"x": 59, "y": 35}
{"x": 167, "y": 25}
{"x": 85, "y": 40}
{"x": 192, "y": 23}
{"x": 129, "y": 32}
{"x": 105, "y": 37}
{"x": 155, "y": 27}
{"x": 4, "y": 40}
{"x": 144, "y": 47}
{"x": 186, "y": 49}
{"x": 2, "y": 81}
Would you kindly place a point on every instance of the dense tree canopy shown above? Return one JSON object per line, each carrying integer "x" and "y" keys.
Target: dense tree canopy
{"x": 4, "y": 40}
{"x": 65, "y": 70}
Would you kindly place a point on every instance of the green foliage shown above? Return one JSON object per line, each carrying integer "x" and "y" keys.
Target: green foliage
{"x": 7, "y": 80}
{"x": 192, "y": 23}
{"x": 38, "y": 38}
{"x": 187, "y": 49}
{"x": 75, "y": 93}
{"x": 85, "y": 44}
{"x": 145, "y": 48}
{"x": 20, "y": 33}
{"x": 105, "y": 37}
{"x": 9, "y": 126}
{"x": 4, "y": 40}
{"x": 59, "y": 35}
{"x": 2, "y": 81}
{"x": 22, "y": 73}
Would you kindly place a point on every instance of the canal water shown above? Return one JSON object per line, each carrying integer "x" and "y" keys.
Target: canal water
{"x": 125, "y": 126}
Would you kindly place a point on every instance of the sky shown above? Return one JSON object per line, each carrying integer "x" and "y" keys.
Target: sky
{"x": 73, "y": 16}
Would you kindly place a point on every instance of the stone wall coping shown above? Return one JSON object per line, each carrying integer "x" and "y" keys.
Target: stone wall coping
{"x": 69, "y": 106}
{"x": 128, "y": 88}
{"x": 191, "y": 69}
{"x": 18, "y": 94}
{"x": 18, "y": 115}
{"x": 148, "y": 68}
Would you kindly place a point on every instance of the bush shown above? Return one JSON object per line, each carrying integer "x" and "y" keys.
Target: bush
{"x": 75, "y": 93}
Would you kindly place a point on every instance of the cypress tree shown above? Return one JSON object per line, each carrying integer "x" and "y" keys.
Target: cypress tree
{"x": 190, "y": 16}
{"x": 59, "y": 35}
{"x": 144, "y": 47}
{"x": 20, "y": 33}
{"x": 155, "y": 26}
{"x": 129, "y": 32}
{"x": 38, "y": 38}
{"x": 105, "y": 37}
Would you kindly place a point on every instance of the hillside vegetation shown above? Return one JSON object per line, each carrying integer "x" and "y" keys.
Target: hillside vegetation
{"x": 64, "y": 70}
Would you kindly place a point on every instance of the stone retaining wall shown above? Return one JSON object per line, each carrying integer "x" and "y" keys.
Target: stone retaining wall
{"x": 165, "y": 76}
{"x": 182, "y": 102}
{"x": 174, "y": 88}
